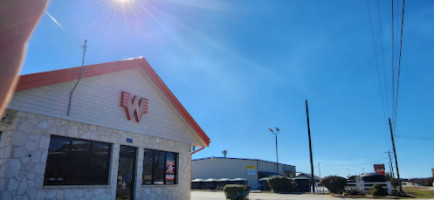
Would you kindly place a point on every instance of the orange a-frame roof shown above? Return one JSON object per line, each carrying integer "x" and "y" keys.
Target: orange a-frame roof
{"x": 36, "y": 80}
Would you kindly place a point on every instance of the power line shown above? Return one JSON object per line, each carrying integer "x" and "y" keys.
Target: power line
{"x": 350, "y": 165}
{"x": 382, "y": 57}
{"x": 414, "y": 137}
{"x": 376, "y": 61}
{"x": 393, "y": 61}
{"x": 400, "y": 56}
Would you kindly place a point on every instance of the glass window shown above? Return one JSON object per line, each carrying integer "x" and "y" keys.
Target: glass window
{"x": 159, "y": 167}
{"x": 159, "y": 158}
{"x": 57, "y": 161}
{"x": 77, "y": 162}
{"x": 99, "y": 163}
{"x": 148, "y": 166}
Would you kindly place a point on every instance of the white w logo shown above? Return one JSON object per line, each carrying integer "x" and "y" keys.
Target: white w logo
{"x": 134, "y": 106}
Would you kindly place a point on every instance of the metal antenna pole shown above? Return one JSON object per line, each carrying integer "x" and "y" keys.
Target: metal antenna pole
{"x": 79, "y": 78}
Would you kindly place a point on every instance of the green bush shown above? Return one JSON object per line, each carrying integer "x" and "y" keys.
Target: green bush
{"x": 354, "y": 191}
{"x": 335, "y": 184}
{"x": 236, "y": 192}
{"x": 282, "y": 184}
{"x": 377, "y": 190}
{"x": 423, "y": 181}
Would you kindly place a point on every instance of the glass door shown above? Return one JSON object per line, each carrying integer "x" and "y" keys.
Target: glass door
{"x": 127, "y": 164}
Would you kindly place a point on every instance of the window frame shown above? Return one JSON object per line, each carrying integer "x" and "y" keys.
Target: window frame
{"x": 92, "y": 157}
{"x": 153, "y": 170}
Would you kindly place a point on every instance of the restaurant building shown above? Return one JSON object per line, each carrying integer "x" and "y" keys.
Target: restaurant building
{"x": 104, "y": 131}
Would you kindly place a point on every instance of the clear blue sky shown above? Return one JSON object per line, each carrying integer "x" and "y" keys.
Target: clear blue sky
{"x": 240, "y": 67}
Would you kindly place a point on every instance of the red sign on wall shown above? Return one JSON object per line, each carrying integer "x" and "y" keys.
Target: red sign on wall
{"x": 133, "y": 106}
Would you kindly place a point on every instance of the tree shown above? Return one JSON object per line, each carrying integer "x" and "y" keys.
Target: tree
{"x": 335, "y": 184}
{"x": 225, "y": 153}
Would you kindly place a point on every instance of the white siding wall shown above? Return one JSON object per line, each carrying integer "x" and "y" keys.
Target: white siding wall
{"x": 96, "y": 101}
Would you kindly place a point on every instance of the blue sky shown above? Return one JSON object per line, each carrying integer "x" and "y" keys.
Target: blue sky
{"x": 240, "y": 67}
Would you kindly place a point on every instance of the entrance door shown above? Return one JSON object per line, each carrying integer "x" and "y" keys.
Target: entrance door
{"x": 127, "y": 163}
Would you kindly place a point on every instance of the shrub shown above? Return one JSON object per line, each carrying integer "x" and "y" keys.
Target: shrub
{"x": 354, "y": 191}
{"x": 377, "y": 190}
{"x": 335, "y": 184}
{"x": 236, "y": 192}
{"x": 282, "y": 184}
{"x": 353, "y": 178}
{"x": 303, "y": 185}
{"x": 423, "y": 181}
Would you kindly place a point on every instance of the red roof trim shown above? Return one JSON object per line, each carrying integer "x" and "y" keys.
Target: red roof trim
{"x": 52, "y": 77}
{"x": 30, "y": 81}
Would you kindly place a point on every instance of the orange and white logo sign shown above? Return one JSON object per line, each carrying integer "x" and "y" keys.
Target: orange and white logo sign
{"x": 133, "y": 106}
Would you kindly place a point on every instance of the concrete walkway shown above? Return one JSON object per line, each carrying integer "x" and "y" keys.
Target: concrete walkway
{"x": 219, "y": 195}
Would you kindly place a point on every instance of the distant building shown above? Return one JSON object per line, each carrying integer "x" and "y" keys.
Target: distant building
{"x": 306, "y": 176}
{"x": 250, "y": 169}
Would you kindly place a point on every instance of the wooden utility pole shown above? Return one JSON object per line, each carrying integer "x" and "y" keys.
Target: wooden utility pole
{"x": 396, "y": 159}
{"x": 310, "y": 149}
{"x": 391, "y": 169}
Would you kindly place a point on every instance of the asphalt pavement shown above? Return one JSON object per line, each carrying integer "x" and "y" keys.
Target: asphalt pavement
{"x": 219, "y": 195}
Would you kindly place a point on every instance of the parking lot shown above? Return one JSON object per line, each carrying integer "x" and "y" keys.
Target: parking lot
{"x": 219, "y": 195}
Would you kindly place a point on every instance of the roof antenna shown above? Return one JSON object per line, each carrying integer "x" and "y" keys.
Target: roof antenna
{"x": 79, "y": 78}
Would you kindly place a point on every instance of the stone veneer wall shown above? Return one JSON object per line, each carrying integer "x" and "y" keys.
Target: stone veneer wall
{"x": 23, "y": 155}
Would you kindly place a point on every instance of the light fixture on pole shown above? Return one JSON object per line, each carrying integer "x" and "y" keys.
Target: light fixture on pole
{"x": 277, "y": 155}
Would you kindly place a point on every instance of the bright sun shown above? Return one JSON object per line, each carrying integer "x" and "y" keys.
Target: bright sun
{"x": 123, "y": 1}
{"x": 122, "y": 5}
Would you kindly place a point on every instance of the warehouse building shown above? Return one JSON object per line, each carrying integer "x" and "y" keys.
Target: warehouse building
{"x": 104, "y": 131}
{"x": 250, "y": 169}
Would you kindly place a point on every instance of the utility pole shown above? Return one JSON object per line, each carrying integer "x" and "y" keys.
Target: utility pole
{"x": 312, "y": 179}
{"x": 319, "y": 174}
{"x": 391, "y": 169}
{"x": 394, "y": 152}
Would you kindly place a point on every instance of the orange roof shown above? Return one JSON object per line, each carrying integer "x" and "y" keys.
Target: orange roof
{"x": 35, "y": 80}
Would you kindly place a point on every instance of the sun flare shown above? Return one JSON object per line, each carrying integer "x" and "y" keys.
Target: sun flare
{"x": 123, "y": 1}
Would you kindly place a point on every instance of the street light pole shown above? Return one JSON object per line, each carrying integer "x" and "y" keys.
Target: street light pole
{"x": 277, "y": 154}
